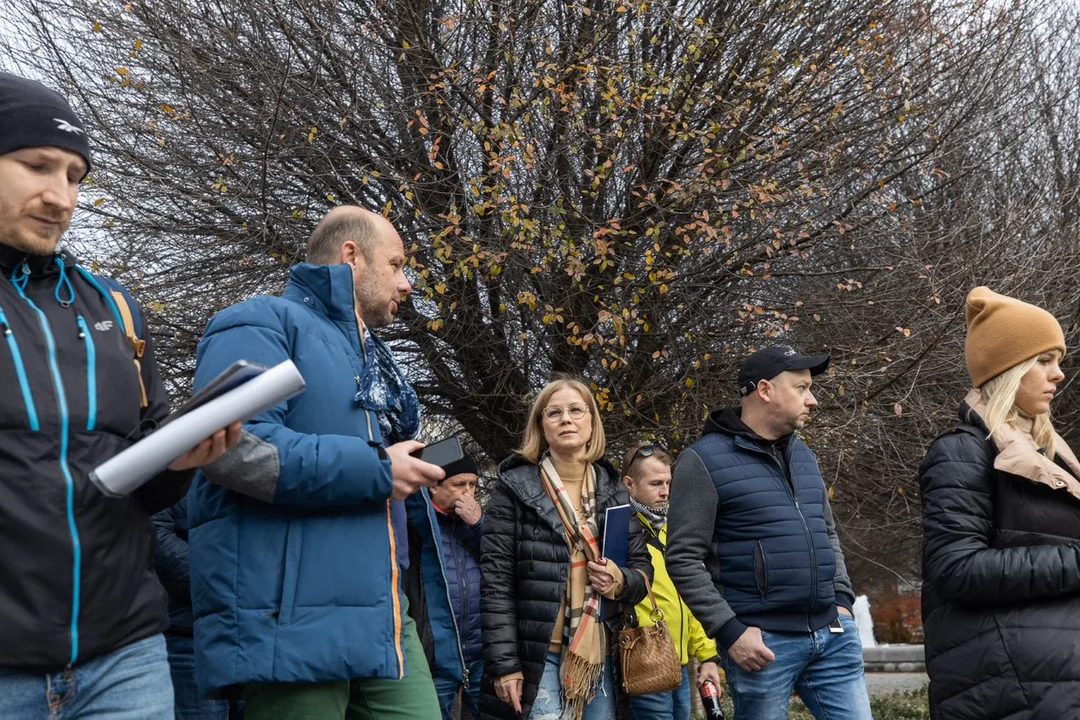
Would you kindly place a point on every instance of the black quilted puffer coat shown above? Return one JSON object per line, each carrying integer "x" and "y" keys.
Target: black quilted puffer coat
{"x": 1001, "y": 585}
{"x": 524, "y": 563}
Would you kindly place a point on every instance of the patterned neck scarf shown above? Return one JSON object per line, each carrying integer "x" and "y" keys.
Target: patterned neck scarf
{"x": 583, "y": 657}
{"x": 656, "y": 517}
{"x": 384, "y": 390}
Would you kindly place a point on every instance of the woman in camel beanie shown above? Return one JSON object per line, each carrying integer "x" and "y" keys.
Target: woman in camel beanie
{"x": 1003, "y": 332}
{"x": 1001, "y": 530}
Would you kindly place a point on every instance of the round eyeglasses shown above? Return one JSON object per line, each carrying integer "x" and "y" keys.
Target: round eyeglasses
{"x": 554, "y": 414}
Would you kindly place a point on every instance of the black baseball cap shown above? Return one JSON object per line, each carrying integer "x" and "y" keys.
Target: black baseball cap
{"x": 769, "y": 362}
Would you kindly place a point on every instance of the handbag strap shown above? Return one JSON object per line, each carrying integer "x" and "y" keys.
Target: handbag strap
{"x": 657, "y": 614}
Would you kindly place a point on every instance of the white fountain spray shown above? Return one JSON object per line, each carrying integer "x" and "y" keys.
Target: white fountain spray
{"x": 864, "y": 622}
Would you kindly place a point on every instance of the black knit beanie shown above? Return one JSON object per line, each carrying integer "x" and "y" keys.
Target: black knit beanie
{"x": 32, "y": 115}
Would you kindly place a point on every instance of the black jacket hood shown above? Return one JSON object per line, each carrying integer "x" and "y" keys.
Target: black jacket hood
{"x": 729, "y": 422}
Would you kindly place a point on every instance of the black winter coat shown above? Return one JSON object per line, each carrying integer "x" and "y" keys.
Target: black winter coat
{"x": 171, "y": 565}
{"x": 524, "y": 563}
{"x": 1001, "y": 585}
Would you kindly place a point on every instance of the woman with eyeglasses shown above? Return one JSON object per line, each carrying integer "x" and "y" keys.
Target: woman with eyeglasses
{"x": 547, "y": 653}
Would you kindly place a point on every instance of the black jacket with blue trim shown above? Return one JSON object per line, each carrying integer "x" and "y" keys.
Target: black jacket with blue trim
{"x": 757, "y": 514}
{"x": 76, "y": 567}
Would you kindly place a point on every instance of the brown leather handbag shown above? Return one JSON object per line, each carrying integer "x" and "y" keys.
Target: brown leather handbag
{"x": 650, "y": 663}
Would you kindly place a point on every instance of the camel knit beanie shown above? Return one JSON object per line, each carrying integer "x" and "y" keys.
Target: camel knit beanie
{"x": 1003, "y": 332}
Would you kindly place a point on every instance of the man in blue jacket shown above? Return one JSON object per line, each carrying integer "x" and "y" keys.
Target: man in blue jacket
{"x": 444, "y": 595}
{"x": 81, "y": 612}
{"x": 297, "y": 537}
{"x": 753, "y": 550}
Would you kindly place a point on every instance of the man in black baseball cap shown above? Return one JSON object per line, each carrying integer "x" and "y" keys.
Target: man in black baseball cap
{"x": 748, "y": 506}
{"x": 769, "y": 362}
{"x": 81, "y": 611}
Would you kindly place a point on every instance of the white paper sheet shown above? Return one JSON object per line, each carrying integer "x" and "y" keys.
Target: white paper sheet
{"x": 128, "y": 470}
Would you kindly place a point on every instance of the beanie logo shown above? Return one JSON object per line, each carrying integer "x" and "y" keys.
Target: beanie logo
{"x": 67, "y": 127}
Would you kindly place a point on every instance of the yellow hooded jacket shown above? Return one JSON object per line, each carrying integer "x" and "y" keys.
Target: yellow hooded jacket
{"x": 686, "y": 631}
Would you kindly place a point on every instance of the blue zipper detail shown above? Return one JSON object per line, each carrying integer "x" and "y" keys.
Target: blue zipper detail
{"x": 61, "y": 401}
{"x": 91, "y": 373}
{"x": 20, "y": 372}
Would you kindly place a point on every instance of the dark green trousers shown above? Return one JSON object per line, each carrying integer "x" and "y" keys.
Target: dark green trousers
{"x": 411, "y": 698}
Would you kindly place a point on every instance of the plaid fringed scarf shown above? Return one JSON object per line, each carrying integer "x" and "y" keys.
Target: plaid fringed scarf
{"x": 583, "y": 657}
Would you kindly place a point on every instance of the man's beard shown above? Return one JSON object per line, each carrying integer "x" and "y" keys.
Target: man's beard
{"x": 38, "y": 241}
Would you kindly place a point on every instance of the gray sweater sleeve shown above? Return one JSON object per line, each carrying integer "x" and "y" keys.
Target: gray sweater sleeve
{"x": 845, "y": 594}
{"x": 691, "y": 518}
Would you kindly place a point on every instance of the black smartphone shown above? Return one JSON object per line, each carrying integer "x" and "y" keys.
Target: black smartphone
{"x": 446, "y": 453}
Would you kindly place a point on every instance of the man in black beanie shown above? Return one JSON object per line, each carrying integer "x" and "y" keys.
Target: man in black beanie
{"x": 450, "y": 634}
{"x": 81, "y": 612}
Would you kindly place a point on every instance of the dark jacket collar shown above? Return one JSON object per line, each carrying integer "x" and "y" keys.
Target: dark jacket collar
{"x": 522, "y": 479}
{"x": 39, "y": 265}
{"x": 728, "y": 421}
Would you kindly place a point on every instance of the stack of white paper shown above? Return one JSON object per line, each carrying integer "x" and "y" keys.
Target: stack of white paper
{"x": 127, "y": 471}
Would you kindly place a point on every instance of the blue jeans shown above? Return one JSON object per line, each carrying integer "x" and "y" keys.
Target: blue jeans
{"x": 674, "y": 705}
{"x": 548, "y": 703}
{"x": 824, "y": 668}
{"x": 470, "y": 696}
{"x": 131, "y": 683}
{"x": 189, "y": 706}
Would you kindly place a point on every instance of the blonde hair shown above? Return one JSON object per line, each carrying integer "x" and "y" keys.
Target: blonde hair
{"x": 533, "y": 442}
{"x": 999, "y": 394}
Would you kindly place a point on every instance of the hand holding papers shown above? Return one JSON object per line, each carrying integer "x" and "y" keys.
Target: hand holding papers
{"x": 240, "y": 393}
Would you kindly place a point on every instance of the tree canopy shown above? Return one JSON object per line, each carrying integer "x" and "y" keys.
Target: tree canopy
{"x": 638, "y": 193}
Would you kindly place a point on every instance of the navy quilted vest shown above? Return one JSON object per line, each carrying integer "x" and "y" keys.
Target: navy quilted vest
{"x": 776, "y": 562}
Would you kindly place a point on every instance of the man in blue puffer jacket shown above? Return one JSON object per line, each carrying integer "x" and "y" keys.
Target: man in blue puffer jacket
{"x": 297, "y": 537}
{"x": 444, "y": 596}
{"x": 753, "y": 550}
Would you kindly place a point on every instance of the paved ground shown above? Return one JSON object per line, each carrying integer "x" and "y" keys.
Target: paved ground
{"x": 888, "y": 683}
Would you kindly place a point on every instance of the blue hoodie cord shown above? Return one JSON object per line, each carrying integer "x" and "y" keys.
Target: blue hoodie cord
{"x": 19, "y": 281}
{"x": 20, "y": 276}
{"x": 63, "y": 283}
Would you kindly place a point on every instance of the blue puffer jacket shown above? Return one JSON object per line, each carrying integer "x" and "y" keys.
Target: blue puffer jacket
{"x": 443, "y": 586}
{"x": 293, "y": 571}
{"x": 461, "y": 553}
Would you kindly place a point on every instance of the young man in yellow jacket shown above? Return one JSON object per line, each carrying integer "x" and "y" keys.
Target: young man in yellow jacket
{"x": 647, "y": 474}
